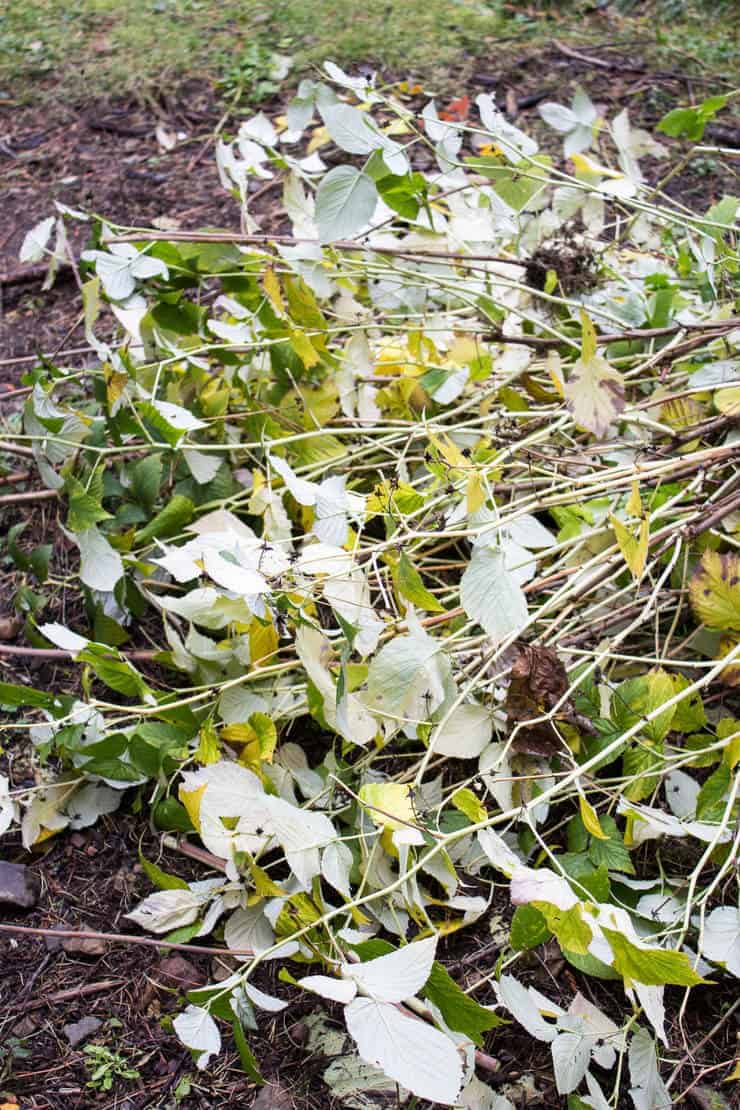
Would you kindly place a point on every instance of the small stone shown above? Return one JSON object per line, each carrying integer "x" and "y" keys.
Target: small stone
{"x": 176, "y": 971}
{"x": 19, "y": 886}
{"x": 25, "y": 1027}
{"x": 84, "y": 946}
{"x": 221, "y": 968}
{"x": 79, "y": 1031}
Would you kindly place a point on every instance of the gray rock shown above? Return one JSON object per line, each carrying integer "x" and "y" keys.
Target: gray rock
{"x": 18, "y": 885}
{"x": 80, "y": 1030}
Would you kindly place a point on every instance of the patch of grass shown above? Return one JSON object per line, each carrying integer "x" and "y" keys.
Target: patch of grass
{"x": 102, "y": 47}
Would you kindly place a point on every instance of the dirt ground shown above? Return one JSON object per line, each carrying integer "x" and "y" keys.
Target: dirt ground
{"x": 106, "y": 158}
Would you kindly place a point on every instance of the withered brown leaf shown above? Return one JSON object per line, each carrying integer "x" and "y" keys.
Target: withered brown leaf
{"x": 538, "y": 681}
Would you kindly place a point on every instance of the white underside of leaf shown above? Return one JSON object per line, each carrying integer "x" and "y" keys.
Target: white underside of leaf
{"x": 408, "y": 1050}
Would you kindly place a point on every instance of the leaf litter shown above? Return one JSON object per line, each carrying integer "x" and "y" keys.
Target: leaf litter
{"x": 483, "y": 479}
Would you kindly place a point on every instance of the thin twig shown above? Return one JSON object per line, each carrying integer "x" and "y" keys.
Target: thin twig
{"x": 30, "y": 495}
{"x": 69, "y": 995}
{"x": 65, "y": 656}
{"x": 123, "y": 938}
{"x": 14, "y": 448}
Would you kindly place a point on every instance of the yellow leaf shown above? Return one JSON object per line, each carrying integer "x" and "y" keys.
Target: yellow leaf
{"x": 263, "y": 641}
{"x": 467, "y": 802}
{"x": 319, "y": 137}
{"x": 238, "y": 733}
{"x": 258, "y": 738}
{"x": 555, "y": 371}
{"x": 449, "y": 451}
{"x": 728, "y": 400}
{"x": 44, "y": 834}
{"x": 587, "y": 168}
{"x": 588, "y": 337}
{"x": 731, "y": 1078}
{"x": 263, "y": 884}
{"x": 633, "y": 548}
{"x": 634, "y": 504}
{"x": 463, "y": 351}
{"x": 389, "y": 804}
{"x": 393, "y": 359}
{"x": 714, "y": 591}
{"x": 115, "y": 385}
{"x": 590, "y": 819}
{"x": 208, "y": 749}
{"x": 475, "y": 493}
{"x": 398, "y": 127}
{"x": 191, "y": 799}
{"x": 271, "y": 285}
{"x": 731, "y": 754}
{"x": 730, "y": 675}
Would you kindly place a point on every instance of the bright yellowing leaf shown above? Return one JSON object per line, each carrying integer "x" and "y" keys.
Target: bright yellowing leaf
{"x": 389, "y": 804}
{"x": 634, "y": 548}
{"x": 590, "y": 819}
{"x": 714, "y": 591}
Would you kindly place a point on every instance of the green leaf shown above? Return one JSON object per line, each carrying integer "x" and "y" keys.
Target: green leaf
{"x": 161, "y": 879}
{"x": 640, "y": 759}
{"x": 24, "y": 695}
{"x": 517, "y": 184}
{"x": 114, "y": 769}
{"x": 529, "y": 928}
{"x": 461, "y": 1012}
{"x": 145, "y": 757}
{"x": 577, "y": 835}
{"x": 403, "y": 194}
{"x": 171, "y": 816}
{"x": 37, "y": 561}
{"x": 689, "y": 715}
{"x": 169, "y": 521}
{"x": 637, "y": 697}
{"x": 115, "y": 672}
{"x": 655, "y": 967}
{"x": 586, "y": 875}
{"x": 711, "y": 799}
{"x": 106, "y": 630}
{"x": 183, "y": 934}
{"x": 590, "y": 965}
{"x": 146, "y": 478}
{"x": 84, "y": 509}
{"x": 345, "y": 202}
{"x": 571, "y": 930}
{"x": 249, "y": 1064}
{"x": 412, "y": 588}
{"x": 612, "y": 852}
{"x": 689, "y": 123}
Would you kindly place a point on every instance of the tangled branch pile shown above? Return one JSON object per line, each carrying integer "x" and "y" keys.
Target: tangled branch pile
{"x": 451, "y": 471}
